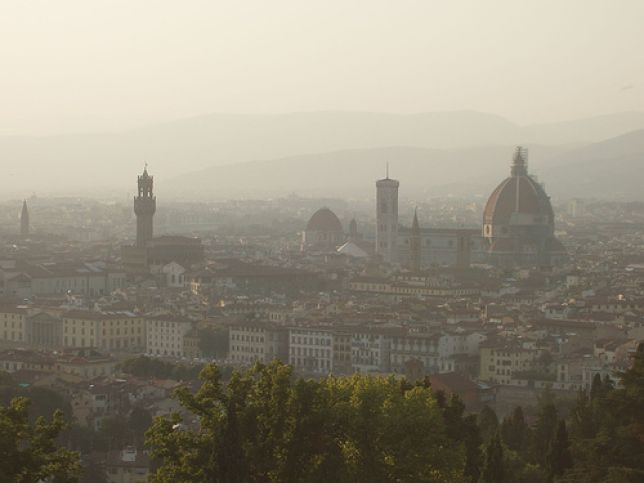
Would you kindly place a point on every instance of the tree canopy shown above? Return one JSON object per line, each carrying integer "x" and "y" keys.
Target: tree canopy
{"x": 28, "y": 451}
{"x": 265, "y": 425}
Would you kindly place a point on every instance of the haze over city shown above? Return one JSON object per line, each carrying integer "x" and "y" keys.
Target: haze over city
{"x": 289, "y": 241}
{"x": 186, "y": 87}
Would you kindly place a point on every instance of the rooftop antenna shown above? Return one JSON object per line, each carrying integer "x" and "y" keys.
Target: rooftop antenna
{"x": 387, "y": 169}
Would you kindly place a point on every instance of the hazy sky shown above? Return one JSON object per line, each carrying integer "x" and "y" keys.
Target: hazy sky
{"x": 84, "y": 65}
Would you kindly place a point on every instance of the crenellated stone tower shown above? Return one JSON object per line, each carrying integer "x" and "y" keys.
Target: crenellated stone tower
{"x": 145, "y": 205}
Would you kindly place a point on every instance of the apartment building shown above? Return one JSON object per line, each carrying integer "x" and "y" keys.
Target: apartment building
{"x": 165, "y": 335}
{"x": 13, "y": 325}
{"x": 311, "y": 349}
{"x": 108, "y": 331}
{"x": 370, "y": 350}
{"x": 500, "y": 362}
{"x": 252, "y": 342}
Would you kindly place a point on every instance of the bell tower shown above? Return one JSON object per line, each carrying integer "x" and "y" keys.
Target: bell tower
{"x": 145, "y": 204}
{"x": 387, "y": 218}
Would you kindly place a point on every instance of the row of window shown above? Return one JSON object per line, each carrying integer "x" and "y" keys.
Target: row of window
{"x": 310, "y": 340}
{"x": 247, "y": 338}
{"x": 309, "y": 351}
{"x": 243, "y": 348}
{"x": 13, "y": 335}
{"x": 311, "y": 363}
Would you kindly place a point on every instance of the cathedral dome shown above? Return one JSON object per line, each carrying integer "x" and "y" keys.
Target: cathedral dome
{"x": 519, "y": 199}
{"x": 324, "y": 220}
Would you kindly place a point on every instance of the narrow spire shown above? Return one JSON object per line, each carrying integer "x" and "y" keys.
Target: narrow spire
{"x": 387, "y": 177}
{"x": 414, "y": 225}
{"x": 415, "y": 245}
{"x": 24, "y": 220}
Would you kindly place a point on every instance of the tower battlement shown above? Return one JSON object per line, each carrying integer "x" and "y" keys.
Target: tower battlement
{"x": 145, "y": 205}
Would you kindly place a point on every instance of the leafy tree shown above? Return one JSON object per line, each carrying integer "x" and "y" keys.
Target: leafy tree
{"x": 28, "y": 451}
{"x": 266, "y": 426}
{"x": 559, "y": 458}
{"x": 44, "y": 401}
{"x": 613, "y": 450}
{"x": 493, "y": 468}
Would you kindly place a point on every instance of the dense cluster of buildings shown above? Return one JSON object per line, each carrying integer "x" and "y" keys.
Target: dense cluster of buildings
{"x": 496, "y": 313}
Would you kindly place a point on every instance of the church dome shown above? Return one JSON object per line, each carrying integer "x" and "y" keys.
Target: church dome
{"x": 324, "y": 220}
{"x": 519, "y": 199}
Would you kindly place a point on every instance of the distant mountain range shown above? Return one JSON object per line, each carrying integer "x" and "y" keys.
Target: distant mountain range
{"x": 611, "y": 169}
{"x": 353, "y": 172}
{"x": 216, "y": 155}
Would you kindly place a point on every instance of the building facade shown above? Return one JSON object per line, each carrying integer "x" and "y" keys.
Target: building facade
{"x": 165, "y": 335}
{"x": 311, "y": 349}
{"x": 107, "y": 331}
{"x": 257, "y": 342}
{"x": 13, "y": 325}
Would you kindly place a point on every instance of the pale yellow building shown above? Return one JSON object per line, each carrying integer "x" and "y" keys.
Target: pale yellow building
{"x": 165, "y": 335}
{"x": 107, "y": 331}
{"x": 13, "y": 325}
{"x": 499, "y": 363}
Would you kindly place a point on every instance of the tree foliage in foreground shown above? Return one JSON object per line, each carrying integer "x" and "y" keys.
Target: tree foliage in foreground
{"x": 28, "y": 451}
{"x": 607, "y": 430}
{"x": 265, "y": 425}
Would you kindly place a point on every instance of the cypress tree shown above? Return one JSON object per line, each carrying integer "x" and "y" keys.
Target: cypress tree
{"x": 544, "y": 432}
{"x": 596, "y": 389}
{"x": 559, "y": 457}
{"x": 514, "y": 429}
{"x": 488, "y": 423}
{"x": 493, "y": 470}
{"x": 581, "y": 418}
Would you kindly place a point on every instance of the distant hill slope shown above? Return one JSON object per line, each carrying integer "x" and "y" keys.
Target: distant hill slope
{"x": 93, "y": 162}
{"x": 612, "y": 169}
{"x": 352, "y": 173}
